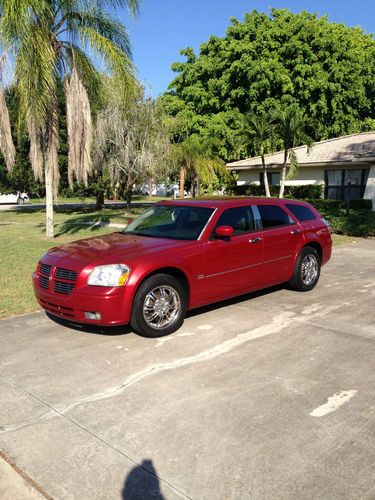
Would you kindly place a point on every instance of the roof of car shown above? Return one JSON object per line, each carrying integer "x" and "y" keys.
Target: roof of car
{"x": 226, "y": 201}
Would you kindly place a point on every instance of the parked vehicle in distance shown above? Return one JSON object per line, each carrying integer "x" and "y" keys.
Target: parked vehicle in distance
{"x": 19, "y": 198}
{"x": 180, "y": 255}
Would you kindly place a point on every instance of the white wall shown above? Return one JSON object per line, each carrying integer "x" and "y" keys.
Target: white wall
{"x": 370, "y": 187}
{"x": 305, "y": 176}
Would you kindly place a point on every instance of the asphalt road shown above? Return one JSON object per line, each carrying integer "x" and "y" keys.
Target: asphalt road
{"x": 39, "y": 206}
{"x": 267, "y": 397}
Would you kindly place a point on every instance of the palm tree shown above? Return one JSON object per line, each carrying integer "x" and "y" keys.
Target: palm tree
{"x": 291, "y": 125}
{"x": 260, "y": 132}
{"x": 196, "y": 161}
{"x": 49, "y": 41}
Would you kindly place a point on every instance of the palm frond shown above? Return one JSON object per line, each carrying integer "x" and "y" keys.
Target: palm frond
{"x": 35, "y": 73}
{"x": 293, "y": 165}
{"x": 90, "y": 76}
{"x": 52, "y": 130}
{"x": 98, "y": 20}
{"x": 79, "y": 129}
{"x": 116, "y": 60}
{"x": 6, "y": 141}
{"x": 36, "y": 152}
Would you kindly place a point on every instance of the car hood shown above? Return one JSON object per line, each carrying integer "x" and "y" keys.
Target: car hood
{"x": 108, "y": 249}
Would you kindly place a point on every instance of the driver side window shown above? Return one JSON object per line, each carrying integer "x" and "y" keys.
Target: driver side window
{"x": 240, "y": 218}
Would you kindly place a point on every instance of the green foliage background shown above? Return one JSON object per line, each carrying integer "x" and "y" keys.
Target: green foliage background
{"x": 268, "y": 62}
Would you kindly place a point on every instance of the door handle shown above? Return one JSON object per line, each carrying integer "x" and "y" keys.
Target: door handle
{"x": 255, "y": 240}
{"x": 296, "y": 231}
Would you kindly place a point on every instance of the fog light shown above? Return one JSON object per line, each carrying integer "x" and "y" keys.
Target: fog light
{"x": 92, "y": 315}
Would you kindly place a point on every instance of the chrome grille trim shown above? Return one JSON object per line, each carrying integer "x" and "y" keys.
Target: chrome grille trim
{"x": 43, "y": 281}
{"x": 65, "y": 274}
{"x": 45, "y": 269}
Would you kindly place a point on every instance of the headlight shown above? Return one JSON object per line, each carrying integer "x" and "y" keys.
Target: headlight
{"x": 111, "y": 275}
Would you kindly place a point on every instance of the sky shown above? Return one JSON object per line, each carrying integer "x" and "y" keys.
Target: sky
{"x": 163, "y": 27}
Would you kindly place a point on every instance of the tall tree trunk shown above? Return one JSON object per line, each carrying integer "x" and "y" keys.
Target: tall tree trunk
{"x": 198, "y": 186}
{"x": 182, "y": 181}
{"x": 149, "y": 181}
{"x": 51, "y": 164}
{"x": 265, "y": 176}
{"x": 128, "y": 197}
{"x": 283, "y": 175}
{"x": 48, "y": 173}
{"x": 100, "y": 200}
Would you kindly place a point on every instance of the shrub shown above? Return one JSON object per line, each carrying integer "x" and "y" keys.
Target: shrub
{"x": 359, "y": 223}
{"x": 311, "y": 191}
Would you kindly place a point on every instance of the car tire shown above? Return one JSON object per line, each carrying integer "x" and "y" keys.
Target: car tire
{"x": 159, "y": 306}
{"x": 306, "y": 270}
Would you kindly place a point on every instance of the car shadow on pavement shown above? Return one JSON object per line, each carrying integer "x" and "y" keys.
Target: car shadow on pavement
{"x": 96, "y": 329}
{"x": 234, "y": 300}
{"x": 126, "y": 329}
{"x": 142, "y": 483}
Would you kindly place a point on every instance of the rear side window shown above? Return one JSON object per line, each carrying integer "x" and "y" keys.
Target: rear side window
{"x": 301, "y": 212}
{"x": 240, "y": 218}
{"x": 273, "y": 216}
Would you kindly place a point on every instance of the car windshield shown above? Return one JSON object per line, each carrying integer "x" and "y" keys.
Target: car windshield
{"x": 171, "y": 221}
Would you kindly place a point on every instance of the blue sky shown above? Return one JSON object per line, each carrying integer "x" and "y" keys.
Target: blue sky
{"x": 163, "y": 27}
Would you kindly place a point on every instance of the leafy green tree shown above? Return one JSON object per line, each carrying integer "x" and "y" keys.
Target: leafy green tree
{"x": 291, "y": 126}
{"x": 49, "y": 41}
{"x": 268, "y": 62}
{"x": 196, "y": 162}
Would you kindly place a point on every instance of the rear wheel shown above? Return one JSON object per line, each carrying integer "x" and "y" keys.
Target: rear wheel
{"x": 306, "y": 271}
{"x": 159, "y": 306}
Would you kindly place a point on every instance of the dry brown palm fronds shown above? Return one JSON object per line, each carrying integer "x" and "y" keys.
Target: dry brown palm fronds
{"x": 36, "y": 153}
{"x": 6, "y": 141}
{"x": 79, "y": 125}
{"x": 53, "y": 146}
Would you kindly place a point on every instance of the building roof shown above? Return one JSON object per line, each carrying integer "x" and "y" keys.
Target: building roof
{"x": 346, "y": 149}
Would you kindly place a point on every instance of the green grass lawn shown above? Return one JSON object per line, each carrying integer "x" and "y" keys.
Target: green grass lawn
{"x": 22, "y": 243}
{"x": 62, "y": 200}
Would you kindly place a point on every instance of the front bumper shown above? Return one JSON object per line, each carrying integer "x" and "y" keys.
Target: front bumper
{"x": 113, "y": 304}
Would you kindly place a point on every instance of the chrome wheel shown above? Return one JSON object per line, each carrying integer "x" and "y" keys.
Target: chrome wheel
{"x": 309, "y": 269}
{"x": 161, "y": 307}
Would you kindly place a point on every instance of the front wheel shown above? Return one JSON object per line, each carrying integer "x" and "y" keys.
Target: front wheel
{"x": 159, "y": 306}
{"x": 306, "y": 271}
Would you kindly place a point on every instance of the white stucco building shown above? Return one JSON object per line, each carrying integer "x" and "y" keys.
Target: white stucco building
{"x": 333, "y": 163}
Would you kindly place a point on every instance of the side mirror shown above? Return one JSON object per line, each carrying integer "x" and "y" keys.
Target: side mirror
{"x": 224, "y": 232}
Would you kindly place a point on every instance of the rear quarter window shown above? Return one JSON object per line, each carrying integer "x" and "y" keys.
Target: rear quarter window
{"x": 301, "y": 212}
{"x": 273, "y": 216}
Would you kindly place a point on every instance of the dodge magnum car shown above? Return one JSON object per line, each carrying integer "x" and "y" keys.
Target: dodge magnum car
{"x": 180, "y": 255}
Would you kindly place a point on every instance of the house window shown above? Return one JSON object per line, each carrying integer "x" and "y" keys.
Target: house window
{"x": 273, "y": 178}
{"x": 339, "y": 184}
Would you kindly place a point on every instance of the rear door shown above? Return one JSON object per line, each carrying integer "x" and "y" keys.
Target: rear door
{"x": 282, "y": 238}
{"x": 235, "y": 264}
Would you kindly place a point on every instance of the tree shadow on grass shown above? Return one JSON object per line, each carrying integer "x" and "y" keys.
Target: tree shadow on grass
{"x": 75, "y": 224}
{"x": 142, "y": 483}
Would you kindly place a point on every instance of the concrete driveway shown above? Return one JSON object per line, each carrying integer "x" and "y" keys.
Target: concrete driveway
{"x": 267, "y": 397}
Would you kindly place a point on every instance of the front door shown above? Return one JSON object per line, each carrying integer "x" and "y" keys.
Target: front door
{"x": 235, "y": 264}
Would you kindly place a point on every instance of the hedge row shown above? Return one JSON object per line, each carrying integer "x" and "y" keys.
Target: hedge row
{"x": 311, "y": 191}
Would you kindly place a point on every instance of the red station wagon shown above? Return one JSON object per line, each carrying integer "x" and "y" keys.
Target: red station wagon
{"x": 180, "y": 255}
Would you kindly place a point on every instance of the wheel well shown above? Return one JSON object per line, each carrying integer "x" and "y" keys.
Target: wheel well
{"x": 316, "y": 247}
{"x": 172, "y": 271}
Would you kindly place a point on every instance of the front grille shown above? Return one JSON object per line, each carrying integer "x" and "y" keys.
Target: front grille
{"x": 43, "y": 281}
{"x": 65, "y": 274}
{"x": 61, "y": 287}
{"x": 45, "y": 269}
